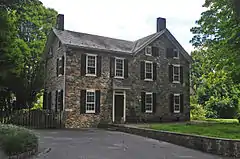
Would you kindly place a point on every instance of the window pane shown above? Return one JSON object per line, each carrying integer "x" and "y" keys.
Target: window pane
{"x": 176, "y": 70}
{"x": 148, "y": 75}
{"x": 148, "y": 102}
{"x": 119, "y": 63}
{"x": 177, "y": 107}
{"x": 91, "y": 62}
{"x": 91, "y": 70}
{"x": 119, "y": 73}
{"x": 90, "y": 96}
{"x": 177, "y": 99}
{"x": 175, "y": 53}
{"x": 90, "y": 102}
{"x": 148, "y": 70}
{"x": 175, "y": 78}
{"x": 119, "y": 67}
{"x": 148, "y": 67}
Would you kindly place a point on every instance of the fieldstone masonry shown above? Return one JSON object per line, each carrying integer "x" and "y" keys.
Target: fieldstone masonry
{"x": 72, "y": 82}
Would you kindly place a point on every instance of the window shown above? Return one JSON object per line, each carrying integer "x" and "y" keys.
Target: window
{"x": 149, "y": 70}
{"x": 176, "y": 103}
{"x": 119, "y": 67}
{"x": 50, "y": 51}
{"x": 59, "y": 100}
{"x": 59, "y": 44}
{"x": 176, "y": 73}
{"x": 148, "y": 102}
{"x": 175, "y": 53}
{"x": 91, "y": 65}
{"x": 148, "y": 50}
{"x": 90, "y": 101}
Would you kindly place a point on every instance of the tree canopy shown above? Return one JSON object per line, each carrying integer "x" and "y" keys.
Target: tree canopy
{"x": 24, "y": 29}
{"x": 216, "y": 67}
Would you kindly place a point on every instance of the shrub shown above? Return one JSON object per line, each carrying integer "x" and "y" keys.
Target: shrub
{"x": 15, "y": 140}
{"x": 197, "y": 112}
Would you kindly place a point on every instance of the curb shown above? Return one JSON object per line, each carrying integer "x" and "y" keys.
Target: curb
{"x": 25, "y": 155}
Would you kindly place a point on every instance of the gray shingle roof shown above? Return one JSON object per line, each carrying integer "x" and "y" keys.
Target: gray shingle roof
{"x": 97, "y": 42}
{"x": 100, "y": 42}
{"x": 93, "y": 41}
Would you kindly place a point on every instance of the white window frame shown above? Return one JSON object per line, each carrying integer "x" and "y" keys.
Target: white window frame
{"x": 119, "y": 58}
{"x": 176, "y": 50}
{"x": 174, "y": 104}
{"x": 59, "y": 66}
{"x": 94, "y": 102}
{"x": 147, "y": 49}
{"x": 145, "y": 63}
{"x": 149, "y": 111}
{"x": 179, "y": 72}
{"x": 88, "y": 74}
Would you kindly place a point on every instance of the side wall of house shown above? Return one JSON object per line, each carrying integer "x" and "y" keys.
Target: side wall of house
{"x": 161, "y": 86}
{"x": 52, "y": 82}
{"x": 75, "y": 82}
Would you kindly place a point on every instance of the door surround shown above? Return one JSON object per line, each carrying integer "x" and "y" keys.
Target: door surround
{"x": 119, "y": 92}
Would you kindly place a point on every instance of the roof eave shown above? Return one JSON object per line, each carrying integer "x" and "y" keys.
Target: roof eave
{"x": 96, "y": 49}
{"x": 149, "y": 41}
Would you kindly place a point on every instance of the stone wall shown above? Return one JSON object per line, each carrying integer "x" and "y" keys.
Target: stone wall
{"x": 162, "y": 86}
{"x": 133, "y": 86}
{"x": 218, "y": 146}
{"x": 51, "y": 81}
{"x": 75, "y": 83}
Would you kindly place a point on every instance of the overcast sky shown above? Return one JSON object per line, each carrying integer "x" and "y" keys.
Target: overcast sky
{"x": 129, "y": 19}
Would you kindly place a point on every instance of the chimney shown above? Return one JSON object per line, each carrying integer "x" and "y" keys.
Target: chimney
{"x": 60, "y": 22}
{"x": 161, "y": 24}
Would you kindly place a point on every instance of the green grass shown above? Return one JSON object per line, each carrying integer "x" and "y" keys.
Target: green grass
{"x": 223, "y": 129}
{"x": 222, "y": 120}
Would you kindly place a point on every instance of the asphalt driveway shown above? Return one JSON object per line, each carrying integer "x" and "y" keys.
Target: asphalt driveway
{"x": 101, "y": 144}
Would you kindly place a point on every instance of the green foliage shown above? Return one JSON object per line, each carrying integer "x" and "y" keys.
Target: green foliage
{"x": 219, "y": 130}
{"x": 197, "y": 111}
{"x": 215, "y": 71}
{"x": 38, "y": 104}
{"x": 15, "y": 140}
{"x": 26, "y": 25}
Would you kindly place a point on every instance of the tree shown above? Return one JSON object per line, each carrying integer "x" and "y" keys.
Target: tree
{"x": 30, "y": 24}
{"x": 215, "y": 72}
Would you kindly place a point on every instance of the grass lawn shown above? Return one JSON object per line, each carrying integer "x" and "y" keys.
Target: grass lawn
{"x": 220, "y": 128}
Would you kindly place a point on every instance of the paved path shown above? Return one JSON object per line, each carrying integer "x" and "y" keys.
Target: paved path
{"x": 101, "y": 144}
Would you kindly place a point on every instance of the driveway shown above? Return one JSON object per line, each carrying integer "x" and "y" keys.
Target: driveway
{"x": 101, "y": 144}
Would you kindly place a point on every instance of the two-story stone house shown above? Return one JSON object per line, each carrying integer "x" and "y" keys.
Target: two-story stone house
{"x": 95, "y": 79}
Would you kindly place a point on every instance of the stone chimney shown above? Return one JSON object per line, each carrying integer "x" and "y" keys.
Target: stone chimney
{"x": 161, "y": 24}
{"x": 60, "y": 22}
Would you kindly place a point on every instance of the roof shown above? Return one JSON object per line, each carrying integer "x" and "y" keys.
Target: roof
{"x": 90, "y": 41}
{"x": 94, "y": 41}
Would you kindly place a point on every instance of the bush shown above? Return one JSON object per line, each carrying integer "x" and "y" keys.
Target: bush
{"x": 197, "y": 112}
{"x": 16, "y": 140}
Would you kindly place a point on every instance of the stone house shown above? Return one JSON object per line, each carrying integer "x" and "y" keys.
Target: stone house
{"x": 94, "y": 79}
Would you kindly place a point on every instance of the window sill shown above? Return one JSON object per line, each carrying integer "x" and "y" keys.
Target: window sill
{"x": 177, "y": 58}
{"x": 116, "y": 77}
{"x": 175, "y": 82}
{"x": 176, "y": 112}
{"x": 91, "y": 75}
{"x": 148, "y": 54}
{"x": 150, "y": 80}
{"x": 60, "y": 75}
{"x": 90, "y": 112}
{"x": 148, "y": 112}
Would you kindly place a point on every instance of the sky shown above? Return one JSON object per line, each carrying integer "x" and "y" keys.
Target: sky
{"x": 129, "y": 19}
